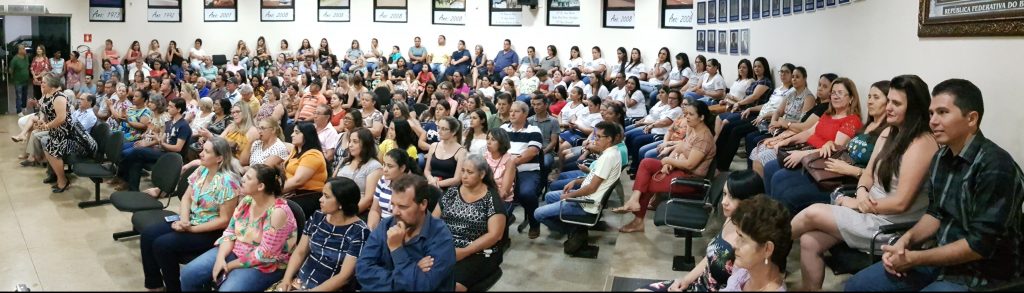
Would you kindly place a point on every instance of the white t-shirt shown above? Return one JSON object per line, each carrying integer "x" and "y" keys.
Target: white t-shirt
{"x": 588, "y": 119}
{"x": 195, "y": 53}
{"x": 617, "y": 93}
{"x": 608, "y": 166}
{"x": 667, "y": 67}
{"x": 673, "y": 114}
{"x": 780, "y": 94}
{"x": 594, "y": 64}
{"x": 635, "y": 70}
{"x": 601, "y": 92}
{"x": 570, "y": 110}
{"x": 487, "y": 91}
{"x": 739, "y": 88}
{"x": 637, "y": 110}
{"x": 575, "y": 63}
{"x": 258, "y": 155}
{"x": 714, "y": 83}
{"x": 696, "y": 78}
{"x": 656, "y": 112}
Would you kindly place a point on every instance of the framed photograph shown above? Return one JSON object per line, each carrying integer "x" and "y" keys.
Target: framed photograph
{"x": 164, "y": 11}
{"x": 391, "y": 11}
{"x": 734, "y": 41}
{"x": 745, "y": 9}
{"x": 808, "y": 5}
{"x": 819, "y": 4}
{"x": 713, "y": 11}
{"x": 734, "y": 10}
{"x": 833, "y": 2}
{"x": 841, "y": 2}
{"x": 745, "y": 42}
{"x": 723, "y": 11}
{"x": 722, "y": 45}
{"x": 334, "y": 11}
{"x": 711, "y": 41}
{"x": 702, "y": 12}
{"x": 449, "y": 12}
{"x": 776, "y": 7}
{"x": 766, "y": 8}
{"x": 107, "y": 10}
{"x": 564, "y": 13}
{"x": 505, "y": 13}
{"x": 969, "y": 18}
{"x": 755, "y": 9}
{"x": 618, "y": 13}
{"x": 277, "y": 10}
{"x": 220, "y": 11}
{"x": 700, "y": 40}
{"x": 787, "y": 7}
{"x": 677, "y": 14}
{"x": 798, "y": 6}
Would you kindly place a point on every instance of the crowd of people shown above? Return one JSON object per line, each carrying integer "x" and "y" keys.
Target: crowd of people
{"x": 408, "y": 166}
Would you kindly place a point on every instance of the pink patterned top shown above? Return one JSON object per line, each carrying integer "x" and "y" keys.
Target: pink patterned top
{"x": 258, "y": 244}
{"x": 499, "y": 171}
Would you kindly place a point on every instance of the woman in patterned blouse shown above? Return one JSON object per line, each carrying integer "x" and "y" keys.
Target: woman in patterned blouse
{"x": 254, "y": 251}
{"x": 325, "y": 259}
{"x": 205, "y": 211}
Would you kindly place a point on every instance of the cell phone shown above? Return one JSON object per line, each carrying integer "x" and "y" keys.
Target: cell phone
{"x": 172, "y": 218}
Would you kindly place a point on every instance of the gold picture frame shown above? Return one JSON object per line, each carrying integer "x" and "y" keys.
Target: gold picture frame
{"x": 1000, "y": 21}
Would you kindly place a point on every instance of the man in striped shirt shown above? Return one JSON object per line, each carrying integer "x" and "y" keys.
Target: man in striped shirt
{"x": 974, "y": 215}
{"x": 526, "y": 148}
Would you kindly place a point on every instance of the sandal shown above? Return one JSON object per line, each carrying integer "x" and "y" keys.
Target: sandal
{"x": 56, "y": 189}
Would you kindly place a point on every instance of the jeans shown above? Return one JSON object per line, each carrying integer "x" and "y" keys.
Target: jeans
{"x": 439, "y": 70}
{"x": 162, "y": 248}
{"x": 752, "y": 140}
{"x": 705, "y": 99}
{"x": 770, "y": 169}
{"x": 650, "y": 91}
{"x": 527, "y": 190}
{"x": 133, "y": 162}
{"x": 549, "y": 213}
{"x": 21, "y": 94}
{"x": 729, "y": 140}
{"x": 650, "y": 150}
{"x": 197, "y": 275}
{"x": 564, "y": 178}
{"x": 371, "y": 66}
{"x": 875, "y": 279}
{"x": 416, "y": 67}
{"x": 640, "y": 141}
{"x": 796, "y": 190}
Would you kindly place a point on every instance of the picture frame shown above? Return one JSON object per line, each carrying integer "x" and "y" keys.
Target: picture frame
{"x": 220, "y": 11}
{"x": 766, "y": 8}
{"x": 277, "y": 10}
{"x": 808, "y": 5}
{"x": 713, "y": 11}
{"x": 448, "y": 12}
{"x": 701, "y": 43}
{"x": 830, "y": 3}
{"x": 819, "y": 4}
{"x": 734, "y": 10}
{"x": 787, "y": 7}
{"x": 106, "y": 10}
{"x": 745, "y": 42}
{"x": 734, "y": 42}
{"x": 564, "y": 13}
{"x": 711, "y": 41}
{"x": 723, "y": 42}
{"x": 755, "y": 9}
{"x": 617, "y": 13}
{"x": 744, "y": 9}
{"x": 393, "y": 11}
{"x": 334, "y": 11}
{"x": 723, "y": 11}
{"x": 943, "y": 18}
{"x": 677, "y": 14}
{"x": 163, "y": 11}
{"x": 776, "y": 7}
{"x": 798, "y": 6}
{"x": 702, "y": 12}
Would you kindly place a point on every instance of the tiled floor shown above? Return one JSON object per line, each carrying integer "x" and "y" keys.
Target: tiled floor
{"x": 50, "y": 244}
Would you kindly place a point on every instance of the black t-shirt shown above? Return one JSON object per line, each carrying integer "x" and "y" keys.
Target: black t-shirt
{"x": 818, "y": 109}
{"x": 175, "y": 130}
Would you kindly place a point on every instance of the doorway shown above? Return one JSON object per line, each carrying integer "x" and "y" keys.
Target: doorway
{"x": 53, "y": 32}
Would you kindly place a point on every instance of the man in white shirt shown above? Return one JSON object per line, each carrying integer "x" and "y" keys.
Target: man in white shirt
{"x": 526, "y": 150}
{"x": 326, "y": 132}
{"x": 619, "y": 92}
{"x": 604, "y": 173}
{"x": 233, "y": 95}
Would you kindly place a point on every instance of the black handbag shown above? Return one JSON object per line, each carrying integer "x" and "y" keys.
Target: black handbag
{"x": 785, "y": 151}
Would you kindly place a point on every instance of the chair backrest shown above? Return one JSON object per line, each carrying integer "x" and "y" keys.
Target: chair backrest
{"x": 420, "y": 108}
{"x": 383, "y": 96}
{"x": 113, "y": 147}
{"x": 100, "y": 133}
{"x": 166, "y": 171}
{"x": 300, "y": 217}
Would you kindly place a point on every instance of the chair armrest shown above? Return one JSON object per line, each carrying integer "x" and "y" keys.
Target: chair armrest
{"x": 580, "y": 200}
{"x": 894, "y": 228}
{"x": 697, "y": 182}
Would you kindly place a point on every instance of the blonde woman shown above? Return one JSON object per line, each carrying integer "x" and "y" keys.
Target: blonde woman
{"x": 154, "y": 52}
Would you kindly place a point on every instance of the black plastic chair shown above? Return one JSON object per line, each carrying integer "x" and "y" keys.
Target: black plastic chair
{"x": 420, "y": 108}
{"x": 99, "y": 133}
{"x": 587, "y": 221}
{"x": 688, "y": 214}
{"x": 97, "y": 171}
{"x": 165, "y": 177}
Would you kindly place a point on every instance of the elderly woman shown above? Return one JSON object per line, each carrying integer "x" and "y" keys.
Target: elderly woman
{"x": 66, "y": 138}
{"x": 762, "y": 246}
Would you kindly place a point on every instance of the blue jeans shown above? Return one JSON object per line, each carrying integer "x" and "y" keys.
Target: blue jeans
{"x": 573, "y": 137}
{"x": 707, "y": 100}
{"x": 21, "y": 95}
{"x": 650, "y": 150}
{"x": 371, "y": 66}
{"x": 564, "y": 178}
{"x": 527, "y": 190}
{"x": 133, "y": 163}
{"x": 162, "y": 248}
{"x": 875, "y": 279}
{"x": 548, "y": 214}
{"x": 197, "y": 275}
{"x": 634, "y": 148}
{"x": 770, "y": 169}
{"x": 416, "y": 68}
{"x": 796, "y": 190}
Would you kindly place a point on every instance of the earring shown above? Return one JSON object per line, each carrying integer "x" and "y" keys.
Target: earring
{"x": 766, "y": 261}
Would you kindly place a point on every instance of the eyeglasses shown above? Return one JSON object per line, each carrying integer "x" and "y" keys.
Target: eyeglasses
{"x": 599, "y": 136}
{"x": 839, "y": 94}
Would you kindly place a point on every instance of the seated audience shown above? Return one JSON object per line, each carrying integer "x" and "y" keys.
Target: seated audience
{"x": 747, "y": 113}
{"x": 711, "y": 273}
{"x": 907, "y": 146}
{"x": 475, "y": 215}
{"x": 326, "y": 132}
{"x": 476, "y": 133}
{"x": 711, "y": 86}
{"x": 395, "y": 164}
{"x": 175, "y": 135}
{"x": 325, "y": 257}
{"x": 306, "y": 169}
{"x": 411, "y": 251}
{"x": 444, "y": 173}
{"x": 650, "y": 132}
{"x": 254, "y": 251}
{"x": 205, "y": 210}
{"x": 361, "y": 165}
{"x": 973, "y": 214}
{"x": 269, "y": 148}
{"x": 526, "y": 148}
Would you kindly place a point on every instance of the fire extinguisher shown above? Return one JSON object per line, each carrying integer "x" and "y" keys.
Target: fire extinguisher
{"x": 88, "y": 61}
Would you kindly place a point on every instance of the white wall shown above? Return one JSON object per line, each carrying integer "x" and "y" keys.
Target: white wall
{"x": 866, "y": 40}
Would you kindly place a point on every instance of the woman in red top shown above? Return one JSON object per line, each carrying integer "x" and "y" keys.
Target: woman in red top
{"x": 134, "y": 53}
{"x": 836, "y": 127}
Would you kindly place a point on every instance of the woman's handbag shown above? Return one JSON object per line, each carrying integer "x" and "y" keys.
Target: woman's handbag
{"x": 814, "y": 164}
{"x": 784, "y": 152}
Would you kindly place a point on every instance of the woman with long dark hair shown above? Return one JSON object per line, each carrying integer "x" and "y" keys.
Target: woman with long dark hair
{"x": 361, "y": 164}
{"x": 396, "y": 163}
{"x": 306, "y": 170}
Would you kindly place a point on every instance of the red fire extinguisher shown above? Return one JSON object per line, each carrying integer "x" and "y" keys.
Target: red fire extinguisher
{"x": 88, "y": 61}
